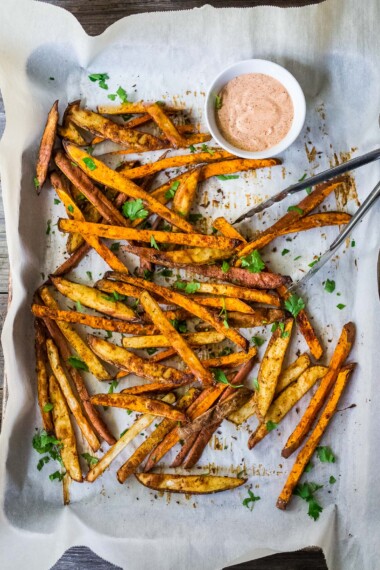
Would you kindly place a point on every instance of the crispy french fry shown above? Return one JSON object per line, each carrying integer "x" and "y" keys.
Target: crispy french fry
{"x": 259, "y": 318}
{"x": 185, "y": 449}
{"x": 80, "y": 179}
{"x": 142, "y": 423}
{"x": 154, "y": 439}
{"x": 116, "y": 232}
{"x": 150, "y": 388}
{"x": 190, "y": 484}
{"x": 92, "y": 413}
{"x": 244, "y": 413}
{"x": 74, "y": 259}
{"x": 134, "y": 108}
{"x": 286, "y": 400}
{"x": 130, "y": 362}
{"x": 341, "y": 352}
{"x": 74, "y": 240}
{"x": 270, "y": 367}
{"x": 64, "y": 431}
{"x": 317, "y": 221}
{"x": 104, "y": 175}
{"x": 94, "y": 365}
{"x": 304, "y": 207}
{"x": 175, "y": 339}
{"x": 307, "y": 451}
{"x": 292, "y": 372}
{"x": 230, "y": 360}
{"x": 42, "y": 375}
{"x": 227, "y": 230}
{"x": 112, "y": 287}
{"x": 161, "y": 341}
{"x": 72, "y": 402}
{"x": 237, "y": 292}
{"x": 179, "y": 258}
{"x": 225, "y": 303}
{"x": 46, "y": 147}
{"x": 112, "y": 131}
{"x": 184, "y": 196}
{"x": 69, "y": 132}
{"x": 184, "y": 302}
{"x": 139, "y": 404}
{"x": 66, "y": 488}
{"x": 93, "y": 321}
{"x": 166, "y": 125}
{"x": 93, "y": 298}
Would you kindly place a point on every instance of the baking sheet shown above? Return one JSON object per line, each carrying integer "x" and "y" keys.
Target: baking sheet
{"x": 176, "y": 55}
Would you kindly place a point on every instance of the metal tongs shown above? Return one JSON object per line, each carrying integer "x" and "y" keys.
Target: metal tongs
{"x": 317, "y": 179}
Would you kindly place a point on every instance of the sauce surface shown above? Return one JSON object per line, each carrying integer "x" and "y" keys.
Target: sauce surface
{"x": 256, "y": 112}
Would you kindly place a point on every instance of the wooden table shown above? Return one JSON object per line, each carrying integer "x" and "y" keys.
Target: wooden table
{"x": 96, "y": 16}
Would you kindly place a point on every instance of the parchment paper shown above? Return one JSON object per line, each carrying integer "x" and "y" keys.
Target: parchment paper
{"x": 333, "y": 50}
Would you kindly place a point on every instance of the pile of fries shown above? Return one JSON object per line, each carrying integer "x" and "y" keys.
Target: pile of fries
{"x": 191, "y": 396}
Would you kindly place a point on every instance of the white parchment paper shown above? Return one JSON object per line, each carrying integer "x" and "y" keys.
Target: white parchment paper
{"x": 333, "y": 50}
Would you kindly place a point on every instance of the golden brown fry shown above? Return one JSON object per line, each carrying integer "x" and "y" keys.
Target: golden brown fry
{"x": 186, "y": 192}
{"x": 190, "y": 484}
{"x": 74, "y": 241}
{"x": 42, "y": 375}
{"x": 46, "y": 147}
{"x": 150, "y": 388}
{"x": 317, "y": 221}
{"x": 259, "y": 318}
{"x": 154, "y": 439}
{"x": 85, "y": 354}
{"x": 130, "y": 362}
{"x": 93, "y": 321}
{"x": 230, "y": 360}
{"x": 74, "y": 259}
{"x": 91, "y": 411}
{"x": 307, "y": 451}
{"x": 341, "y": 352}
{"x": 66, "y": 488}
{"x": 286, "y": 400}
{"x": 224, "y": 303}
{"x": 112, "y": 131}
{"x": 116, "y": 232}
{"x": 93, "y": 298}
{"x": 292, "y": 372}
{"x": 304, "y": 207}
{"x": 185, "y": 303}
{"x": 237, "y": 292}
{"x": 64, "y": 431}
{"x": 142, "y": 423}
{"x": 139, "y": 404}
{"x": 166, "y": 125}
{"x": 161, "y": 341}
{"x": 134, "y": 108}
{"x": 180, "y": 258}
{"x": 227, "y": 230}
{"x": 72, "y": 402}
{"x": 175, "y": 339}
{"x": 104, "y": 175}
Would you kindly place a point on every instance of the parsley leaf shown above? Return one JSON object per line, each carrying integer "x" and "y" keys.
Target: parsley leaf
{"x": 153, "y": 243}
{"x": 285, "y": 251}
{"x": 101, "y": 78}
{"x": 223, "y": 313}
{"x": 44, "y": 443}
{"x": 91, "y": 460}
{"x": 48, "y": 227}
{"x": 340, "y": 306}
{"x": 115, "y": 246}
{"x": 302, "y": 177}
{"x": 134, "y": 209}
{"x": 113, "y": 385}
{"x": 270, "y": 425}
{"x": 79, "y": 306}
{"x": 294, "y": 304}
{"x": 191, "y": 287}
{"x": 353, "y": 243}
{"x": 252, "y": 498}
{"x": 295, "y": 209}
{"x": 192, "y": 148}
{"x": 325, "y": 454}
{"x": 112, "y": 96}
{"x": 122, "y": 94}
{"x": 332, "y": 480}
{"x": 314, "y": 262}
{"x": 195, "y": 217}
{"x": 57, "y": 475}
{"x": 218, "y": 102}
{"x": 225, "y": 267}
{"x": 256, "y": 385}
{"x": 253, "y": 262}
{"x": 227, "y": 176}
{"x": 43, "y": 462}
{"x": 257, "y": 340}
{"x": 306, "y": 491}
{"x": 48, "y": 407}
{"x": 166, "y": 273}
{"x": 36, "y": 183}
{"x": 124, "y": 431}
{"x": 309, "y": 467}
{"x": 89, "y": 163}
{"x": 180, "y": 326}
{"x": 205, "y": 148}
{"x": 221, "y": 378}
{"x": 169, "y": 194}
{"x": 330, "y": 286}
{"x": 77, "y": 363}
{"x": 151, "y": 351}
{"x": 56, "y": 201}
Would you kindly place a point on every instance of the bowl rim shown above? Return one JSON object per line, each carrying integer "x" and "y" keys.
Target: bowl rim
{"x": 274, "y": 70}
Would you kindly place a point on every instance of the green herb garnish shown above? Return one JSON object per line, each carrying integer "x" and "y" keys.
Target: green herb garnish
{"x": 153, "y": 243}
{"x": 295, "y": 209}
{"x": 221, "y": 378}
{"x": 251, "y": 499}
{"x": 227, "y": 176}
{"x": 253, "y": 262}
{"x": 169, "y": 194}
{"x": 294, "y": 304}
{"x": 257, "y": 340}
{"x": 115, "y": 246}
{"x": 134, "y": 210}
{"x": 225, "y": 267}
{"x": 306, "y": 491}
{"x": 325, "y": 454}
{"x": 77, "y": 363}
{"x": 47, "y": 407}
{"x": 101, "y": 78}
{"x": 89, "y": 162}
{"x": 330, "y": 286}
{"x": 190, "y": 287}
{"x": 270, "y": 425}
{"x": 205, "y": 148}
{"x": 90, "y": 459}
{"x": 285, "y": 251}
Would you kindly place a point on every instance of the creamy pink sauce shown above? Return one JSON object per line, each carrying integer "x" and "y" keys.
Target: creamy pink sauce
{"x": 256, "y": 112}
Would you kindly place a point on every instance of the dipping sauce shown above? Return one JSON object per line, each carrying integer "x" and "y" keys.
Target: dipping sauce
{"x": 256, "y": 112}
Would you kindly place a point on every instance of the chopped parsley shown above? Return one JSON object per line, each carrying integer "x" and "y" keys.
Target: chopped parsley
{"x": 285, "y": 251}
{"x": 113, "y": 385}
{"x": 36, "y": 183}
{"x": 325, "y": 454}
{"x": 308, "y": 190}
{"x": 225, "y": 267}
{"x": 57, "y": 475}
{"x": 226, "y": 351}
{"x": 89, "y": 162}
{"x": 112, "y": 96}
{"x": 249, "y": 502}
{"x": 295, "y": 209}
{"x": 124, "y": 431}
{"x": 134, "y": 210}
{"x": 257, "y": 340}
{"x": 179, "y": 326}
{"x": 151, "y": 351}
{"x": 298, "y": 257}
{"x": 77, "y": 363}
{"x": 307, "y": 491}
{"x": 218, "y": 102}
{"x": 195, "y": 217}
{"x": 332, "y": 480}
{"x": 190, "y": 287}
{"x": 47, "y": 407}
{"x": 253, "y": 262}
{"x": 205, "y": 148}
{"x": 270, "y": 425}
{"x": 56, "y": 201}
{"x": 309, "y": 467}
{"x": 166, "y": 273}
{"x": 79, "y": 306}
{"x": 281, "y": 326}
{"x": 153, "y": 243}
{"x": 90, "y": 459}
{"x": 302, "y": 177}
{"x": 169, "y": 194}
{"x": 353, "y": 243}
{"x": 45, "y": 443}
{"x": 192, "y": 148}
{"x": 314, "y": 262}
{"x": 256, "y": 385}
{"x": 100, "y": 78}
{"x": 43, "y": 462}
{"x": 122, "y": 94}
{"x": 294, "y": 304}
{"x": 227, "y": 176}
{"x": 330, "y": 286}
{"x": 115, "y": 246}
{"x": 70, "y": 208}
{"x": 223, "y": 313}
{"x": 221, "y": 378}
{"x": 340, "y": 306}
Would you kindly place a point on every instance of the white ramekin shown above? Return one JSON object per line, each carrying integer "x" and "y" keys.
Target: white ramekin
{"x": 275, "y": 71}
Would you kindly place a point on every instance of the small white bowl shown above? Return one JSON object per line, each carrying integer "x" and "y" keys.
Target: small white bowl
{"x": 268, "y": 68}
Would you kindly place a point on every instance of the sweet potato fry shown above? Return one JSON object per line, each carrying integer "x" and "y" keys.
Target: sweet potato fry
{"x": 227, "y": 230}
{"x": 318, "y": 220}
{"x": 72, "y": 402}
{"x": 62, "y": 186}
{"x": 74, "y": 259}
{"x": 175, "y": 339}
{"x": 42, "y": 375}
{"x": 150, "y": 388}
{"x": 69, "y": 132}
{"x": 142, "y": 423}
{"x": 130, "y": 362}
{"x": 93, "y": 298}
{"x": 65, "y": 353}
{"x": 225, "y": 303}
{"x": 122, "y": 288}
{"x": 166, "y": 125}
{"x": 270, "y": 367}
{"x": 237, "y": 292}
{"x": 116, "y": 232}
{"x": 161, "y": 341}
{"x": 85, "y": 354}
{"x": 46, "y": 147}
{"x": 304, "y": 207}
{"x": 134, "y": 108}
{"x": 180, "y": 258}
{"x": 307, "y": 451}
{"x": 112, "y": 179}
{"x": 66, "y": 488}
{"x": 139, "y": 404}
{"x": 187, "y": 445}
{"x": 87, "y": 188}
{"x": 184, "y": 196}
{"x": 185, "y": 303}
{"x": 112, "y": 131}
{"x": 230, "y": 360}
{"x": 341, "y": 352}
{"x": 259, "y": 318}
{"x": 64, "y": 431}
{"x": 154, "y": 439}
{"x": 292, "y": 372}
{"x": 190, "y": 484}
{"x": 286, "y": 400}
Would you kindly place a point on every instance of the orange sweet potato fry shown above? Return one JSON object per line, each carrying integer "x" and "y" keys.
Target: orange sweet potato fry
{"x": 46, "y": 147}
